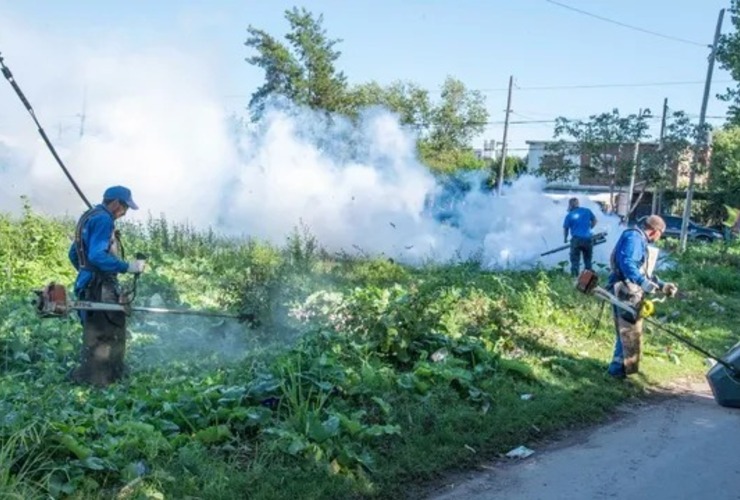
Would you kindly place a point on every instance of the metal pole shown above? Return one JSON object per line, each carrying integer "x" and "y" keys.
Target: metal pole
{"x": 11, "y": 79}
{"x": 701, "y": 140}
{"x": 633, "y": 174}
{"x": 658, "y": 191}
{"x": 506, "y": 132}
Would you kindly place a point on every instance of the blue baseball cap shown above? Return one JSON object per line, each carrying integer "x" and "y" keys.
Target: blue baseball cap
{"x": 120, "y": 193}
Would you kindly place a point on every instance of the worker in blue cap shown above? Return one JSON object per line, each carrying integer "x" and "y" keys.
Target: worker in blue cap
{"x": 633, "y": 262}
{"x": 98, "y": 256}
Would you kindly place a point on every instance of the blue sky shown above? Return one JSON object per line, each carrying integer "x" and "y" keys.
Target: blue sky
{"x": 479, "y": 42}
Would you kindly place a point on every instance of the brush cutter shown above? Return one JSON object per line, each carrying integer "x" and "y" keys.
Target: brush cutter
{"x": 597, "y": 239}
{"x": 723, "y": 377}
{"x": 52, "y": 302}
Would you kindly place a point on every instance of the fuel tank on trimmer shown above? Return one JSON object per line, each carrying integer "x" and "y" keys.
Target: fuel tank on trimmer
{"x": 726, "y": 385}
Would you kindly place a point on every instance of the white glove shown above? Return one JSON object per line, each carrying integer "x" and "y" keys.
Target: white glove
{"x": 670, "y": 289}
{"x": 648, "y": 286}
{"x": 136, "y": 266}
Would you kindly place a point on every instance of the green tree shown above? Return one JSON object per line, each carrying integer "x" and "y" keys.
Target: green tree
{"x": 460, "y": 115}
{"x": 724, "y": 173}
{"x": 514, "y": 166}
{"x": 408, "y": 100}
{"x": 304, "y": 70}
{"x": 445, "y": 128}
{"x": 725, "y": 160}
{"x": 676, "y": 151}
{"x": 596, "y": 148}
{"x": 728, "y": 56}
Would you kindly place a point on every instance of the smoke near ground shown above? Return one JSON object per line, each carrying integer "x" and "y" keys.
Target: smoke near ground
{"x": 153, "y": 121}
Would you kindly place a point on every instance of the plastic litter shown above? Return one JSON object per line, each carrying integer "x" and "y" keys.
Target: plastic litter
{"x": 520, "y": 452}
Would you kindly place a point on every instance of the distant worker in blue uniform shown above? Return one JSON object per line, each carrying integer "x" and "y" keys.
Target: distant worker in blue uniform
{"x": 97, "y": 255}
{"x": 579, "y": 222}
{"x": 633, "y": 263}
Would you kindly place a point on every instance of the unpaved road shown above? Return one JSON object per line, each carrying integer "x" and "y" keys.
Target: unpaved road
{"x": 682, "y": 447}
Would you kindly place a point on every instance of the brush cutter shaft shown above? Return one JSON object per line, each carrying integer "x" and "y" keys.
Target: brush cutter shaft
{"x": 689, "y": 343}
{"x": 613, "y": 300}
{"x": 52, "y": 302}
{"x": 189, "y": 312}
{"x": 102, "y": 306}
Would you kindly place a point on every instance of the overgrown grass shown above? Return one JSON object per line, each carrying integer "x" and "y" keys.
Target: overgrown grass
{"x": 357, "y": 378}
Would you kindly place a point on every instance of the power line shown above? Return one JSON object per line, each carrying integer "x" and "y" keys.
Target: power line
{"x": 526, "y": 122}
{"x": 625, "y": 25}
{"x": 565, "y": 87}
{"x": 604, "y": 85}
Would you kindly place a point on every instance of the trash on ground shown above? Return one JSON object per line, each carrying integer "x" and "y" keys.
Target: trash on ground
{"x": 526, "y": 397}
{"x": 520, "y": 452}
{"x": 716, "y": 307}
{"x": 439, "y": 355}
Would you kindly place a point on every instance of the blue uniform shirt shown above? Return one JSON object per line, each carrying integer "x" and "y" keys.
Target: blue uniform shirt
{"x": 578, "y": 221}
{"x": 629, "y": 255}
{"x": 96, "y": 236}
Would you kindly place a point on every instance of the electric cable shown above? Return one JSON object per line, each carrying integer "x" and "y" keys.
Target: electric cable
{"x": 9, "y": 76}
{"x": 629, "y": 26}
{"x": 604, "y": 85}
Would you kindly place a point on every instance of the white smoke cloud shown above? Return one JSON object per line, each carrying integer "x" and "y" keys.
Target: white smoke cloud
{"x": 154, "y": 122}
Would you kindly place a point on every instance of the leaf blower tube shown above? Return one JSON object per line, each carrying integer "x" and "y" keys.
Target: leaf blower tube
{"x": 723, "y": 377}
{"x": 9, "y": 76}
{"x": 596, "y": 239}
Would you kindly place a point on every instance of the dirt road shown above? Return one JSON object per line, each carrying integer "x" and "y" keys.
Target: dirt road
{"x": 682, "y": 447}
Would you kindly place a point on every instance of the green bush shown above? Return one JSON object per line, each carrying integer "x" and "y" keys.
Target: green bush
{"x": 33, "y": 251}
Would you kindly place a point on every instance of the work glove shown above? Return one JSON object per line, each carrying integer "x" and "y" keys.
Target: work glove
{"x": 137, "y": 266}
{"x": 670, "y": 289}
{"x": 648, "y": 286}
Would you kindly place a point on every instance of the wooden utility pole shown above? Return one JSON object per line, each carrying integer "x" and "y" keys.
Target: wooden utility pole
{"x": 658, "y": 191}
{"x": 506, "y": 133}
{"x": 633, "y": 174}
{"x": 83, "y": 115}
{"x": 702, "y": 140}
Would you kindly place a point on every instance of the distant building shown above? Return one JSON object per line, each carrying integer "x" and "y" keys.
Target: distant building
{"x": 596, "y": 184}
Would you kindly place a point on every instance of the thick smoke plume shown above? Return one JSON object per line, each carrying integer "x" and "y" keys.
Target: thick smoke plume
{"x": 154, "y": 121}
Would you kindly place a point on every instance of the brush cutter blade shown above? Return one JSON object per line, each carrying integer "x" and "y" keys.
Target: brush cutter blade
{"x": 724, "y": 382}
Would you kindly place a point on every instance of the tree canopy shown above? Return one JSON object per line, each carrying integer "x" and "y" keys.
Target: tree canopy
{"x": 728, "y": 56}
{"x": 303, "y": 70}
{"x": 597, "y": 143}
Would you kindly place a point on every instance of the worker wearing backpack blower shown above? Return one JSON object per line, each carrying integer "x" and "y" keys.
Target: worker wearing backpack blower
{"x": 97, "y": 255}
{"x": 633, "y": 262}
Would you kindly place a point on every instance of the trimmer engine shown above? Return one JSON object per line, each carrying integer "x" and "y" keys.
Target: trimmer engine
{"x": 51, "y": 301}
{"x": 587, "y": 281}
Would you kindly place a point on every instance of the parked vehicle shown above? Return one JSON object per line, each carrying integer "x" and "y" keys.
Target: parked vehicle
{"x": 696, "y": 232}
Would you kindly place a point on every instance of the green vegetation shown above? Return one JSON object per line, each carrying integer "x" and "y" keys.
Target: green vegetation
{"x": 358, "y": 379}
{"x": 303, "y": 71}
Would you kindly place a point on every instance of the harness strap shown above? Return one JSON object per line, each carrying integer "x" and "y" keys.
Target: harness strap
{"x": 613, "y": 258}
{"x": 80, "y": 247}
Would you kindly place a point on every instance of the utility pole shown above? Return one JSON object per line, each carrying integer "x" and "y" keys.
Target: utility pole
{"x": 82, "y": 115}
{"x": 633, "y": 174}
{"x": 658, "y": 191}
{"x": 506, "y": 132}
{"x": 702, "y": 141}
